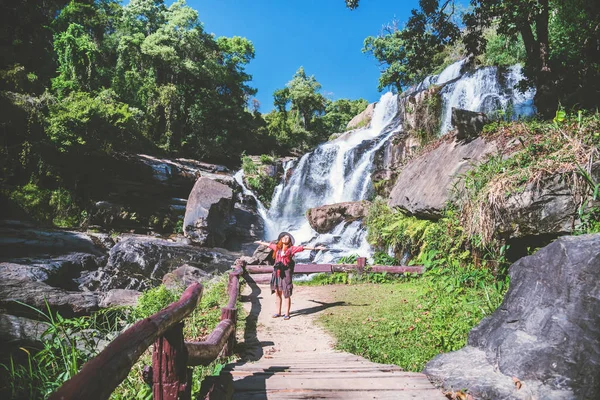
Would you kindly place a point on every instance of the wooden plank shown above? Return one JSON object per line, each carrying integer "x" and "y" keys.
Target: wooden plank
{"x": 101, "y": 375}
{"x": 311, "y": 268}
{"x": 342, "y": 381}
{"x": 315, "y": 268}
{"x": 340, "y": 394}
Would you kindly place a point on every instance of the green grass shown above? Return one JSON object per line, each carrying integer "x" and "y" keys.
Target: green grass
{"x": 406, "y": 323}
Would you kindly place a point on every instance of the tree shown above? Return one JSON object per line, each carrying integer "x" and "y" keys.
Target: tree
{"x": 305, "y": 97}
{"x": 530, "y": 19}
{"x": 407, "y": 54}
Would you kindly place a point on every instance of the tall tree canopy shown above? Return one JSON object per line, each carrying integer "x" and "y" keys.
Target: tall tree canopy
{"x": 553, "y": 32}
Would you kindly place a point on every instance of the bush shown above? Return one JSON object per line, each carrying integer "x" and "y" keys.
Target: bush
{"x": 48, "y": 206}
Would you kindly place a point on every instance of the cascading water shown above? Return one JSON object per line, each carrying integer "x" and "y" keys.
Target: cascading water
{"x": 339, "y": 170}
{"x": 334, "y": 172}
{"x": 487, "y": 90}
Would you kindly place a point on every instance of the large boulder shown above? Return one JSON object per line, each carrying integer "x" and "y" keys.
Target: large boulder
{"x": 425, "y": 184}
{"x": 40, "y": 295}
{"x": 119, "y": 298}
{"x": 468, "y": 124}
{"x": 208, "y": 212}
{"x": 323, "y": 219}
{"x": 23, "y": 240}
{"x": 20, "y": 331}
{"x": 184, "y": 276}
{"x": 140, "y": 262}
{"x": 546, "y": 207}
{"x": 546, "y": 333}
{"x": 363, "y": 119}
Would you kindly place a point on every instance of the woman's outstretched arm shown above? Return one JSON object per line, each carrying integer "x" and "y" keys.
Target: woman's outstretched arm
{"x": 315, "y": 248}
{"x": 262, "y": 243}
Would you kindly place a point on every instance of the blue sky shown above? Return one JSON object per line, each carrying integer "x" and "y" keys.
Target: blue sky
{"x": 323, "y": 36}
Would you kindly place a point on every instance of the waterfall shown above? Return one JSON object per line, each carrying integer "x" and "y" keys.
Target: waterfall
{"x": 489, "y": 90}
{"x": 334, "y": 172}
{"x": 339, "y": 170}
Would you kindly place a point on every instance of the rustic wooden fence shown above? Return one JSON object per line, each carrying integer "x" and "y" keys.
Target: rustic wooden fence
{"x": 169, "y": 375}
{"x": 360, "y": 267}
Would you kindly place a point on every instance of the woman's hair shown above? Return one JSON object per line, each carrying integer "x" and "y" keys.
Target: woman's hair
{"x": 280, "y": 243}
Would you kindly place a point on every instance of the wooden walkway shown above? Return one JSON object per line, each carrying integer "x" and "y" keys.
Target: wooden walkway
{"x": 295, "y": 359}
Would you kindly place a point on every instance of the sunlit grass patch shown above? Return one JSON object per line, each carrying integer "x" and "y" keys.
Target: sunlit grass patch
{"x": 406, "y": 324}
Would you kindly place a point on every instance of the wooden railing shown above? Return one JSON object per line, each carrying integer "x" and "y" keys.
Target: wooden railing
{"x": 169, "y": 375}
{"x": 330, "y": 268}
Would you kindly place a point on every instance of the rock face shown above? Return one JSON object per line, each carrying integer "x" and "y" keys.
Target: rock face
{"x": 362, "y": 119}
{"x": 546, "y": 333}
{"x": 468, "y": 124}
{"x": 208, "y": 212}
{"x": 20, "y": 331}
{"x": 424, "y": 185}
{"x": 140, "y": 262}
{"x": 323, "y": 219}
{"x": 184, "y": 276}
{"x": 546, "y": 207}
{"x": 143, "y": 193}
{"x": 37, "y": 294}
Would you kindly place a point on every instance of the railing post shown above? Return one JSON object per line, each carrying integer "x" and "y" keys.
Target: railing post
{"x": 171, "y": 378}
{"x": 229, "y": 313}
{"x": 360, "y": 264}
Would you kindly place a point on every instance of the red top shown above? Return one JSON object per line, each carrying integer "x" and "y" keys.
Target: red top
{"x": 285, "y": 256}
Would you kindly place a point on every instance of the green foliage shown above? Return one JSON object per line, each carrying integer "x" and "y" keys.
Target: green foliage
{"x": 48, "y": 206}
{"x": 81, "y": 121}
{"x": 248, "y": 166}
{"x": 339, "y": 112}
{"x": 502, "y": 50}
{"x": 589, "y": 211}
{"x": 555, "y": 40}
{"x": 349, "y": 259}
{"x": 382, "y": 258}
{"x": 76, "y": 52}
{"x": 67, "y": 345}
{"x": 266, "y": 159}
{"x": 408, "y": 53}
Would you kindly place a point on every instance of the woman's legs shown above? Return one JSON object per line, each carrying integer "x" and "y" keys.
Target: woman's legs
{"x": 278, "y": 294}
{"x": 288, "y": 305}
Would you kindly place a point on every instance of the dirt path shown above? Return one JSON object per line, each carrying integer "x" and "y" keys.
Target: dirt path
{"x": 295, "y": 359}
{"x": 269, "y": 336}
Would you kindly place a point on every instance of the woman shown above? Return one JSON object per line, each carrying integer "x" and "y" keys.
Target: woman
{"x": 281, "y": 280}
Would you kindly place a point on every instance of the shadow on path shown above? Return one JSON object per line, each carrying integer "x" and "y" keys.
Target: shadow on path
{"x": 324, "y": 306}
{"x": 252, "y": 348}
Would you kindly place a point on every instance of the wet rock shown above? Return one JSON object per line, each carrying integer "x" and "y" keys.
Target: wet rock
{"x": 468, "y": 124}
{"x": 26, "y": 241}
{"x": 262, "y": 255}
{"x": 323, "y": 219}
{"x": 38, "y": 294}
{"x": 119, "y": 297}
{"x": 545, "y": 333}
{"x": 208, "y": 212}
{"x": 19, "y": 331}
{"x": 425, "y": 184}
{"x": 546, "y": 207}
{"x": 140, "y": 262}
{"x": 184, "y": 276}
{"x": 363, "y": 119}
